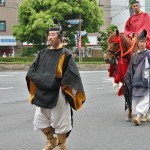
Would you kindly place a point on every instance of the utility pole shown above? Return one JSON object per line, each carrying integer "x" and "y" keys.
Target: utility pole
{"x": 79, "y": 36}
{"x": 80, "y": 40}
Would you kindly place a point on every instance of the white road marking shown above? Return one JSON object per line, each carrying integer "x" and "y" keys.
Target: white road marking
{"x": 7, "y": 88}
{"x": 104, "y": 88}
{"x": 5, "y": 75}
{"x": 105, "y": 81}
{"x": 108, "y": 79}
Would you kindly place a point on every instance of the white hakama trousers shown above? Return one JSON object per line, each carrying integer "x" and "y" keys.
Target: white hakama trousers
{"x": 141, "y": 106}
{"x": 58, "y": 117}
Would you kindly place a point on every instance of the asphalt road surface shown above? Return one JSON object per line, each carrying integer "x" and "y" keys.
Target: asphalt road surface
{"x": 99, "y": 125}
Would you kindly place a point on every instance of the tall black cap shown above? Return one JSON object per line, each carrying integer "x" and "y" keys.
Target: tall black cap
{"x": 142, "y": 35}
{"x": 57, "y": 26}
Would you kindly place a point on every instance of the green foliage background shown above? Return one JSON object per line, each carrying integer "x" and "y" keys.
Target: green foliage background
{"x": 104, "y": 36}
{"x": 35, "y": 17}
{"x": 29, "y": 60}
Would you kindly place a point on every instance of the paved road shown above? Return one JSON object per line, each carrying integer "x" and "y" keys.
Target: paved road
{"x": 99, "y": 125}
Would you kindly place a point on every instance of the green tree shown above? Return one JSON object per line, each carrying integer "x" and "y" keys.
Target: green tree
{"x": 35, "y": 16}
{"x": 130, "y": 8}
{"x": 27, "y": 52}
{"x": 104, "y": 36}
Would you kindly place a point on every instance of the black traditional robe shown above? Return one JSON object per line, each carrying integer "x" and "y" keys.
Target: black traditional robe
{"x": 50, "y": 70}
{"x": 135, "y": 85}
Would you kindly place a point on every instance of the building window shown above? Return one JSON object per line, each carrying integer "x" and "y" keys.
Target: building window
{"x": 2, "y": 2}
{"x": 2, "y": 25}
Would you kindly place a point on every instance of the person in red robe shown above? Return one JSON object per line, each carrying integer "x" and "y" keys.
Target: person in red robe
{"x": 138, "y": 22}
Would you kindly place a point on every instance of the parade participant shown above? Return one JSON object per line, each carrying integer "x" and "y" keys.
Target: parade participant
{"x": 137, "y": 22}
{"x": 137, "y": 81}
{"x": 55, "y": 88}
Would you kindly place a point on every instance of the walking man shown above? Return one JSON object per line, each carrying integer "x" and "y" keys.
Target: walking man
{"x": 55, "y": 88}
{"x": 137, "y": 81}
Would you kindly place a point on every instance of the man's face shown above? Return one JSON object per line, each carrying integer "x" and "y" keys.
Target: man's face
{"x": 53, "y": 38}
{"x": 136, "y": 8}
{"x": 142, "y": 44}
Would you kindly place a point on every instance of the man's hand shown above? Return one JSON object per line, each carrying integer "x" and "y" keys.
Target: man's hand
{"x": 132, "y": 36}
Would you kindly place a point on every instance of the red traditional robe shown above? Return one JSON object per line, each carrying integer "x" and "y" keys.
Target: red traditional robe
{"x": 111, "y": 70}
{"x": 119, "y": 74}
{"x": 137, "y": 23}
{"x": 122, "y": 67}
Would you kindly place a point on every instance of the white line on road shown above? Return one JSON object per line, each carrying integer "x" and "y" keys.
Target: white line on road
{"x": 7, "y": 88}
{"x": 104, "y": 88}
{"x": 108, "y": 79}
{"x": 5, "y": 75}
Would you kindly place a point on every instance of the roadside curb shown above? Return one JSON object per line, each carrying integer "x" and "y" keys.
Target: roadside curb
{"x": 81, "y": 67}
{"x": 92, "y": 67}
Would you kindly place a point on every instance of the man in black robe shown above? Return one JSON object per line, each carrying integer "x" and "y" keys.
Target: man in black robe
{"x": 55, "y": 88}
{"x": 137, "y": 82}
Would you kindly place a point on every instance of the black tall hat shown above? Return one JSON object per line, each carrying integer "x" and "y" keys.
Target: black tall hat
{"x": 57, "y": 26}
{"x": 135, "y": 2}
{"x": 142, "y": 35}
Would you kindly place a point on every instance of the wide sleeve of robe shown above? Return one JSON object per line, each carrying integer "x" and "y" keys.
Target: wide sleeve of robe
{"x": 71, "y": 78}
{"x": 30, "y": 85}
{"x": 128, "y": 28}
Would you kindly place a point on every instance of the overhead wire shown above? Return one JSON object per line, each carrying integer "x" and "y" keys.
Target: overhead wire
{"x": 120, "y": 10}
{"x": 105, "y": 7}
{"x": 126, "y": 7}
